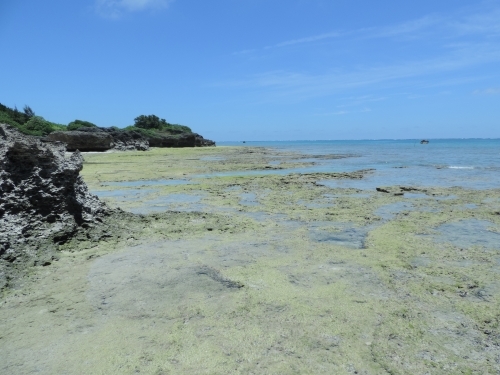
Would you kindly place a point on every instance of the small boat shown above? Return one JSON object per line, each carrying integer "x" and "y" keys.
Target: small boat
{"x": 244, "y": 141}
{"x": 424, "y": 141}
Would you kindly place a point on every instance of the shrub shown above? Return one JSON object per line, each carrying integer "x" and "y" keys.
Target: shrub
{"x": 26, "y": 121}
{"x": 144, "y": 132}
{"x": 37, "y": 125}
{"x": 6, "y": 119}
{"x": 153, "y": 122}
{"x": 148, "y": 122}
{"x": 77, "y": 124}
{"x": 15, "y": 115}
{"x": 176, "y": 129}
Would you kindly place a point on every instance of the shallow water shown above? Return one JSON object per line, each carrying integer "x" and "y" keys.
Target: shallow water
{"x": 148, "y": 183}
{"x": 338, "y": 233}
{"x": 415, "y": 195}
{"x": 389, "y": 211}
{"x": 470, "y": 163}
{"x": 123, "y": 195}
{"x": 467, "y": 233}
{"x": 248, "y": 199}
{"x": 175, "y": 202}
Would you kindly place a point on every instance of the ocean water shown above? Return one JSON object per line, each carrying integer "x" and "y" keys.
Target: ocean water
{"x": 468, "y": 163}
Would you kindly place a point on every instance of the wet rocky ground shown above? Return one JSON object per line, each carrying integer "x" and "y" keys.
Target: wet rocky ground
{"x": 224, "y": 261}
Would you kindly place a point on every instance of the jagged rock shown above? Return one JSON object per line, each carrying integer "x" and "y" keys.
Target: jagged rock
{"x": 202, "y": 142}
{"x": 83, "y": 141}
{"x": 122, "y": 140}
{"x": 179, "y": 140}
{"x": 102, "y": 139}
{"x": 167, "y": 140}
{"x": 399, "y": 190}
{"x": 43, "y": 199}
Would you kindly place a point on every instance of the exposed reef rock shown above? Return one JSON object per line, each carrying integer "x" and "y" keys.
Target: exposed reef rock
{"x": 83, "y": 141}
{"x": 100, "y": 139}
{"x": 400, "y": 190}
{"x": 43, "y": 200}
{"x": 202, "y": 142}
{"x": 103, "y": 139}
{"x": 179, "y": 140}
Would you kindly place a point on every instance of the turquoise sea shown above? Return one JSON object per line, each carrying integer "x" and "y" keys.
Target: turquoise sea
{"x": 468, "y": 163}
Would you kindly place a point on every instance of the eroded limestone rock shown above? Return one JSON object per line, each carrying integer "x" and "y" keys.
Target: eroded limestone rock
{"x": 43, "y": 199}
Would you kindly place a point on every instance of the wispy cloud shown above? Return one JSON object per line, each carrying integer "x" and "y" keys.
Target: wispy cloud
{"x": 409, "y": 74}
{"x": 342, "y": 113}
{"x": 309, "y": 39}
{"x": 489, "y": 91}
{"x": 412, "y": 28}
{"x": 406, "y": 28}
{"x": 244, "y": 52}
{"x": 486, "y": 23}
{"x": 447, "y": 51}
{"x": 117, "y": 8}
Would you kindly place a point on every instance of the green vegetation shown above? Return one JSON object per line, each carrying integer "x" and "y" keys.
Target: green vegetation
{"x": 37, "y": 125}
{"x": 152, "y": 122}
{"x": 77, "y": 124}
{"x": 28, "y": 123}
{"x": 15, "y": 117}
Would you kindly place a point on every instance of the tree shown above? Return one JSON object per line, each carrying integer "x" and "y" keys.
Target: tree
{"x": 14, "y": 114}
{"x": 28, "y": 111}
{"x": 149, "y": 122}
{"x": 154, "y": 123}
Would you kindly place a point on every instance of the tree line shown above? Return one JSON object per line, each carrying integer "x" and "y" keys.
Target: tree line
{"x": 28, "y": 122}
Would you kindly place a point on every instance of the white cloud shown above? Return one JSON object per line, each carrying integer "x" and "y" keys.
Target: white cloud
{"x": 116, "y": 8}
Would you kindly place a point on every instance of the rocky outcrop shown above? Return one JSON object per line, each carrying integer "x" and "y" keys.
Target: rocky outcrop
{"x": 202, "y": 142}
{"x": 103, "y": 139}
{"x": 100, "y": 139}
{"x": 83, "y": 141}
{"x": 43, "y": 199}
{"x": 122, "y": 140}
{"x": 179, "y": 140}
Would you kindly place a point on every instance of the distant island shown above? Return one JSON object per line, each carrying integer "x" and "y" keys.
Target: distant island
{"x": 148, "y": 130}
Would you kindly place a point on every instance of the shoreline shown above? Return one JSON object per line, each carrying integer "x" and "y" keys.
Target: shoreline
{"x": 262, "y": 274}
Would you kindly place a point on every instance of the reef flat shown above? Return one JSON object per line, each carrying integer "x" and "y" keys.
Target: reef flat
{"x": 228, "y": 261}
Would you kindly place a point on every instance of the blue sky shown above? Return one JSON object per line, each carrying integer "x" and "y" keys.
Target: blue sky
{"x": 259, "y": 69}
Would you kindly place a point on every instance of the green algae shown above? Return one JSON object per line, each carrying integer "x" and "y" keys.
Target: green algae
{"x": 153, "y": 296}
